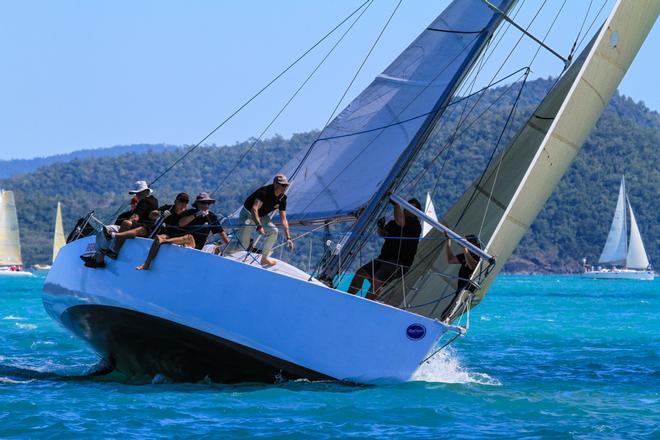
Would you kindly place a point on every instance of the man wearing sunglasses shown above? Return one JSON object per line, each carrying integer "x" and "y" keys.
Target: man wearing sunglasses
{"x": 170, "y": 232}
{"x": 200, "y": 221}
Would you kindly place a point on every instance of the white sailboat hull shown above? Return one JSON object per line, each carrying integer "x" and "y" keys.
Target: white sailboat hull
{"x": 6, "y": 272}
{"x": 620, "y": 274}
{"x": 194, "y": 315}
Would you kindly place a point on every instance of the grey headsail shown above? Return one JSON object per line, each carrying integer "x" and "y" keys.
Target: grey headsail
{"x": 355, "y": 154}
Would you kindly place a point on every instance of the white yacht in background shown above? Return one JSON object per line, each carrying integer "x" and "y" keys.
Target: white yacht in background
{"x": 11, "y": 263}
{"x": 622, "y": 257}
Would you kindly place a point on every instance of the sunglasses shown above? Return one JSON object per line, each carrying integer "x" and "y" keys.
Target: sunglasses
{"x": 182, "y": 200}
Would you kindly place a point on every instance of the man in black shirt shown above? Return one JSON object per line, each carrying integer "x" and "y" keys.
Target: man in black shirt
{"x": 256, "y": 214}
{"x": 170, "y": 232}
{"x": 396, "y": 255}
{"x": 468, "y": 261}
{"x": 139, "y": 222}
{"x": 130, "y": 224}
{"x": 200, "y": 221}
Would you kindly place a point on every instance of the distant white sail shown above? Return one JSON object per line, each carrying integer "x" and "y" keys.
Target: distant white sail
{"x": 10, "y": 243}
{"x": 58, "y": 237}
{"x": 429, "y": 210}
{"x": 614, "y": 251}
{"x": 637, "y": 258}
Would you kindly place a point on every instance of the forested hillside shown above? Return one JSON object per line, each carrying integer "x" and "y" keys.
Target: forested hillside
{"x": 12, "y": 167}
{"x": 573, "y": 224}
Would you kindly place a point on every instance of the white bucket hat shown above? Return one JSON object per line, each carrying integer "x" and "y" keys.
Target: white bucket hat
{"x": 140, "y": 186}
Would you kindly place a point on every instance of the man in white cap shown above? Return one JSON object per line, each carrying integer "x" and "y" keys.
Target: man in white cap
{"x": 256, "y": 215}
{"x": 129, "y": 225}
{"x": 137, "y": 225}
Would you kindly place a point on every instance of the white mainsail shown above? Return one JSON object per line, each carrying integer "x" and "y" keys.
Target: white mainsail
{"x": 429, "y": 210}
{"x": 615, "y": 249}
{"x": 10, "y": 243}
{"x": 58, "y": 237}
{"x": 502, "y": 205}
{"x": 636, "y": 258}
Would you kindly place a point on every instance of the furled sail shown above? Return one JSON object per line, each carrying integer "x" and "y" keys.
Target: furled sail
{"x": 502, "y": 205}
{"x": 58, "y": 237}
{"x": 614, "y": 251}
{"x": 637, "y": 258}
{"x": 10, "y": 244}
{"x": 355, "y": 153}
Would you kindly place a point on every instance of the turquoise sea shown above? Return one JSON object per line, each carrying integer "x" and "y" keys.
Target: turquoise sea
{"x": 545, "y": 357}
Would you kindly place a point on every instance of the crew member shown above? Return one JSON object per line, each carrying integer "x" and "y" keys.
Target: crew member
{"x": 396, "y": 255}
{"x": 256, "y": 215}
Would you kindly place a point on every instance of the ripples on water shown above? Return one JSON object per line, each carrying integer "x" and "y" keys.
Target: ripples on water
{"x": 546, "y": 357}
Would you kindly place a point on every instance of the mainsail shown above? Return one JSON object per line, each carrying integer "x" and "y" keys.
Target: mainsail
{"x": 615, "y": 249}
{"x": 355, "y": 154}
{"x": 502, "y": 204}
{"x": 58, "y": 237}
{"x": 10, "y": 244}
{"x": 636, "y": 258}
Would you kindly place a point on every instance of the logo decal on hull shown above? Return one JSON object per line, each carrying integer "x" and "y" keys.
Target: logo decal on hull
{"x": 416, "y": 332}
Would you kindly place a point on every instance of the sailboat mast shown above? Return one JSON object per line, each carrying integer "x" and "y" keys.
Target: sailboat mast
{"x": 367, "y": 216}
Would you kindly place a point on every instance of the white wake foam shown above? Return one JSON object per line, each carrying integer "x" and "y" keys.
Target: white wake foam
{"x": 446, "y": 367}
{"x": 13, "y": 318}
{"x": 26, "y": 326}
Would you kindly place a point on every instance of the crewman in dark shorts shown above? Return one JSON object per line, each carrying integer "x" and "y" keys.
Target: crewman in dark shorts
{"x": 396, "y": 255}
{"x": 255, "y": 214}
{"x": 468, "y": 261}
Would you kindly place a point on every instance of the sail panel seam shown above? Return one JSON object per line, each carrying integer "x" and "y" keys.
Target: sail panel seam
{"x": 596, "y": 92}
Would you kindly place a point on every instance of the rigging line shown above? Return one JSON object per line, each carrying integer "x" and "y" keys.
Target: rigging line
{"x": 500, "y": 34}
{"x": 373, "y": 46}
{"x": 503, "y": 63}
{"x": 271, "y": 82}
{"x": 592, "y": 22}
{"x": 538, "y": 49}
{"x": 309, "y": 77}
{"x": 492, "y": 155}
{"x": 462, "y": 129}
{"x": 394, "y": 124}
{"x": 368, "y": 144}
{"x": 584, "y": 21}
{"x": 497, "y": 171}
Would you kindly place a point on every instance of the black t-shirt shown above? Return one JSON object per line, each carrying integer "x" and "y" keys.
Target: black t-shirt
{"x": 144, "y": 207}
{"x": 464, "y": 273}
{"x": 270, "y": 202}
{"x": 398, "y": 250}
{"x": 199, "y": 228}
{"x": 170, "y": 225}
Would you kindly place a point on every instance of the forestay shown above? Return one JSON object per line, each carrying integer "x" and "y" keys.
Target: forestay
{"x": 503, "y": 204}
{"x": 614, "y": 251}
{"x": 356, "y": 152}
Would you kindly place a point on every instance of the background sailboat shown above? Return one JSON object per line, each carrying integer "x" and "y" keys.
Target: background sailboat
{"x": 11, "y": 263}
{"x": 59, "y": 240}
{"x": 623, "y": 256}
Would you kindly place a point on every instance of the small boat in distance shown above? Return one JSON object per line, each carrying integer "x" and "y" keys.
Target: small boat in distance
{"x": 11, "y": 263}
{"x": 58, "y": 239}
{"x": 622, "y": 259}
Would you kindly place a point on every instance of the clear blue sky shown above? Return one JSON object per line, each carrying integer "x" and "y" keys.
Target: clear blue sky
{"x": 86, "y": 74}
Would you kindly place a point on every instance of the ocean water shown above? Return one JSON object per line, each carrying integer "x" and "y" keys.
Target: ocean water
{"x": 545, "y": 357}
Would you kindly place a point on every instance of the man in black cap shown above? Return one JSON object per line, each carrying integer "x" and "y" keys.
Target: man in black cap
{"x": 396, "y": 255}
{"x": 170, "y": 232}
{"x": 256, "y": 213}
{"x": 199, "y": 221}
